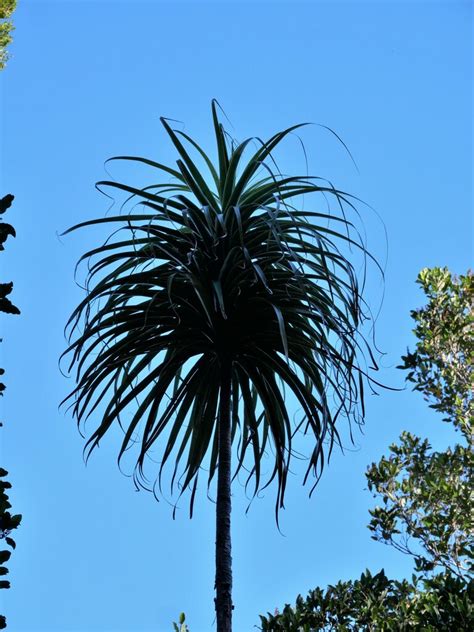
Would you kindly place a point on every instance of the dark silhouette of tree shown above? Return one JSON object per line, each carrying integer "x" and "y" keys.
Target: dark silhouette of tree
{"x": 8, "y": 522}
{"x": 210, "y": 301}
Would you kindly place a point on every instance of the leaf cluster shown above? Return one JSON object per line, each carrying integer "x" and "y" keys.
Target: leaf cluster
{"x": 221, "y": 267}
{"x": 6, "y": 305}
{"x": 442, "y": 365}
{"x": 5, "y": 229}
{"x": 181, "y": 625}
{"x": 427, "y": 504}
{"x": 6, "y": 27}
{"x": 375, "y": 603}
{"x": 8, "y": 522}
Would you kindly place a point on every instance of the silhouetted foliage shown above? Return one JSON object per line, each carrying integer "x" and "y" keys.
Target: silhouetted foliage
{"x": 213, "y": 298}
{"x": 6, "y": 305}
{"x": 5, "y": 202}
{"x": 8, "y": 522}
{"x": 5, "y": 229}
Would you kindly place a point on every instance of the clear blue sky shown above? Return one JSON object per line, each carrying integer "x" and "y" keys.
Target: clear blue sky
{"x": 88, "y": 80}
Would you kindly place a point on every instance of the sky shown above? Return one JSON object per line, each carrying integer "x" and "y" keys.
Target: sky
{"x": 89, "y": 80}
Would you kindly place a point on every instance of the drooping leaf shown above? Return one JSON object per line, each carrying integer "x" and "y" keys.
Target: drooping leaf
{"x": 225, "y": 264}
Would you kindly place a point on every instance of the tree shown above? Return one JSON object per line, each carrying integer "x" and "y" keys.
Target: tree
{"x": 8, "y": 522}
{"x": 6, "y": 27}
{"x": 375, "y": 603}
{"x": 219, "y": 297}
{"x": 426, "y": 496}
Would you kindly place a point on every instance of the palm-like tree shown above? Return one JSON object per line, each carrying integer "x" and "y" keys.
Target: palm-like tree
{"x": 222, "y": 293}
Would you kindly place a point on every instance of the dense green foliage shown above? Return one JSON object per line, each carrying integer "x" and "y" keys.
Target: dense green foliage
{"x": 442, "y": 365}
{"x": 426, "y": 495}
{"x": 8, "y": 522}
{"x": 427, "y": 505}
{"x": 378, "y": 604}
{"x": 211, "y": 299}
{"x": 6, "y": 27}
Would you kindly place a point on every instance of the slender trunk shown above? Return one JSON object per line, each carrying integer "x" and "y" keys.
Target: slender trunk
{"x": 223, "y": 585}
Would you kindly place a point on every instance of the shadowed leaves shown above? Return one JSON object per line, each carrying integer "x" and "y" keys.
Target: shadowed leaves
{"x": 220, "y": 265}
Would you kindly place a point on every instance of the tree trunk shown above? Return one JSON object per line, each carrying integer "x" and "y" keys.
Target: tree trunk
{"x": 223, "y": 585}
